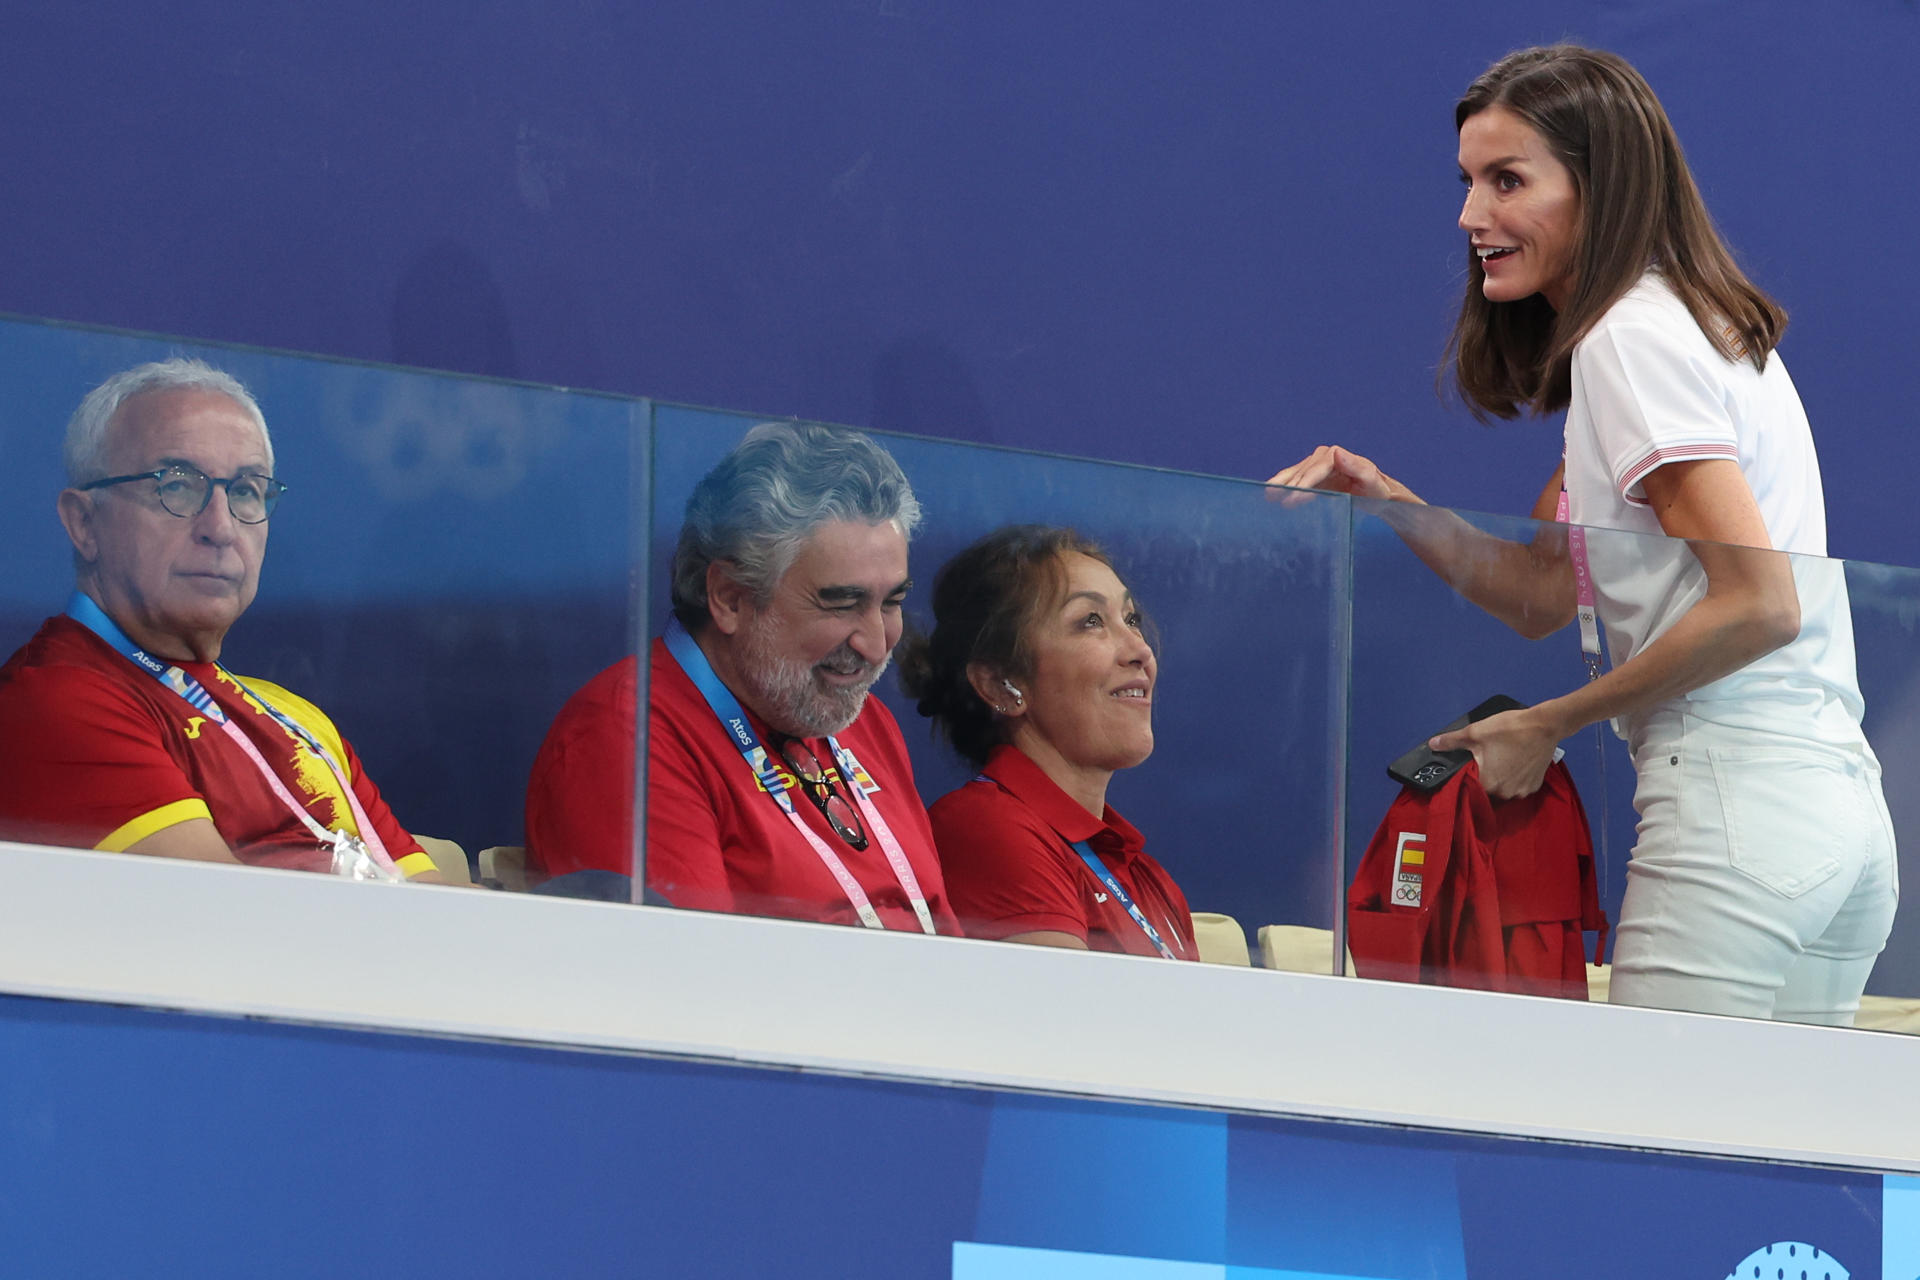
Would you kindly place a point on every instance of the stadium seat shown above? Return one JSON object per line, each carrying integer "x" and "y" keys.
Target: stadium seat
{"x": 504, "y": 867}
{"x": 449, "y": 857}
{"x": 1220, "y": 939}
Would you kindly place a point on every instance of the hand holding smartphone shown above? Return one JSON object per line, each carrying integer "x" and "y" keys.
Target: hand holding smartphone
{"x": 1425, "y": 769}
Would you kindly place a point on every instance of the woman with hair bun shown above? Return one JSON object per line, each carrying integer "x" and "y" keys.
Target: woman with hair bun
{"x": 1763, "y": 879}
{"x": 1039, "y": 672}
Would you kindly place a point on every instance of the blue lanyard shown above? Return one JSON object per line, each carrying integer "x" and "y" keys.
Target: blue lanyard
{"x": 1085, "y": 850}
{"x": 727, "y": 709}
{"x": 84, "y": 611}
{"x": 1099, "y": 868}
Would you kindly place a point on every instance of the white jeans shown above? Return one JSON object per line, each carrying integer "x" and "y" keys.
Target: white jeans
{"x": 1763, "y": 880}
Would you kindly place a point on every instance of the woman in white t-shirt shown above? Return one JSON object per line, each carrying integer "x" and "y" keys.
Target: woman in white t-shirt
{"x": 1763, "y": 878}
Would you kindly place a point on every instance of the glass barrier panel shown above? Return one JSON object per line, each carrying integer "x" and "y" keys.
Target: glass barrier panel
{"x": 1764, "y": 874}
{"x": 449, "y": 562}
{"x": 458, "y": 560}
{"x": 1425, "y": 656}
{"x": 1886, "y": 613}
{"x": 1247, "y": 597}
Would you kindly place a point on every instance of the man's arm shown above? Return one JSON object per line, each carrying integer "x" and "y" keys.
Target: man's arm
{"x": 1049, "y": 938}
{"x": 86, "y": 767}
{"x": 579, "y": 806}
{"x": 195, "y": 840}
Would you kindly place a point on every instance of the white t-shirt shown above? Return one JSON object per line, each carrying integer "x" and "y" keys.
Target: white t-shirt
{"x": 1649, "y": 389}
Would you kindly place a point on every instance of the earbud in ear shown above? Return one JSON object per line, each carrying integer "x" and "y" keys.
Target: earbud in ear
{"x": 1009, "y": 686}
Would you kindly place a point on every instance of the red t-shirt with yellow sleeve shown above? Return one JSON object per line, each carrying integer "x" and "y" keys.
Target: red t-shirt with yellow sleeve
{"x": 100, "y": 755}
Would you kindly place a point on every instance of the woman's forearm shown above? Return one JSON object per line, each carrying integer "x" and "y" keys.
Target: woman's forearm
{"x": 1750, "y": 609}
{"x": 1528, "y": 586}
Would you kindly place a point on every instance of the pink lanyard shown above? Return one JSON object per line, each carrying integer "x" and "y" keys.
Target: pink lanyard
{"x": 1582, "y": 583}
{"x": 687, "y": 653}
{"x": 83, "y": 610}
{"x": 1583, "y": 598}
{"x": 896, "y": 856}
{"x": 376, "y": 847}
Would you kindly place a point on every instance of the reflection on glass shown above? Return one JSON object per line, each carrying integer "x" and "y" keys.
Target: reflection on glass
{"x": 1207, "y": 555}
{"x": 787, "y": 583}
{"x": 1761, "y": 881}
{"x": 418, "y": 589}
{"x": 125, "y": 731}
{"x": 1040, "y": 673}
{"x": 422, "y": 592}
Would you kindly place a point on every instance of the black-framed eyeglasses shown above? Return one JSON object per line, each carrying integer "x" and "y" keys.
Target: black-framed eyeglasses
{"x": 826, "y": 797}
{"x": 186, "y": 491}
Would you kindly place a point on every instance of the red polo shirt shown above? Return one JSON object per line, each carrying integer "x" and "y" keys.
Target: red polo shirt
{"x": 1006, "y": 844}
{"x": 715, "y": 840}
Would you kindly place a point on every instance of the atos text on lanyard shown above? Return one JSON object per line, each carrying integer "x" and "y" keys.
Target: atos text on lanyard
{"x": 733, "y": 718}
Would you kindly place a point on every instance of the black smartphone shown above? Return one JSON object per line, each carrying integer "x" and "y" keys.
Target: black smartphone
{"x": 1425, "y": 769}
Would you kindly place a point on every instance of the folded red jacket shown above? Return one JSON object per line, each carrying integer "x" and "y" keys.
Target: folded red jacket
{"x": 1457, "y": 890}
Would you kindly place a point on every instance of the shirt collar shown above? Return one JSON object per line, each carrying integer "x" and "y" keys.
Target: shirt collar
{"x": 1027, "y": 782}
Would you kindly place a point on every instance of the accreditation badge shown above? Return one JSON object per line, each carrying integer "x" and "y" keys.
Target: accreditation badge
{"x": 354, "y": 861}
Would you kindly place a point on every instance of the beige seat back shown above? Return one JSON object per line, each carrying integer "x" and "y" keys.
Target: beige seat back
{"x": 449, "y": 858}
{"x": 1220, "y": 939}
{"x": 505, "y": 866}
{"x": 1298, "y": 948}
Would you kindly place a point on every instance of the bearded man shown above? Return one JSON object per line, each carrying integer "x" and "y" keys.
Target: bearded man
{"x": 775, "y": 784}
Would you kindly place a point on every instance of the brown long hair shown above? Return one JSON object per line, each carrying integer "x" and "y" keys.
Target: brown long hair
{"x": 1639, "y": 208}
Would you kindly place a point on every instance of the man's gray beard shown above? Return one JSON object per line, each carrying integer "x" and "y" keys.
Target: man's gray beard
{"x": 788, "y": 695}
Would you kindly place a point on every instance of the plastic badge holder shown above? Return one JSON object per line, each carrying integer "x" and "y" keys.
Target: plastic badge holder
{"x": 1425, "y": 769}
{"x": 353, "y": 860}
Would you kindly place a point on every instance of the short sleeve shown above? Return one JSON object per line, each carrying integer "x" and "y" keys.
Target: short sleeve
{"x": 580, "y": 796}
{"x": 1653, "y": 398}
{"x": 1006, "y": 870}
{"x": 87, "y": 765}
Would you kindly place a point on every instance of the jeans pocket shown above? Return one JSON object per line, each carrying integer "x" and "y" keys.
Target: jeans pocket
{"x": 1789, "y": 815}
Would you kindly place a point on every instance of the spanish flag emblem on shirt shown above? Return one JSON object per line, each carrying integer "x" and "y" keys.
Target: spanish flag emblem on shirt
{"x": 861, "y": 778}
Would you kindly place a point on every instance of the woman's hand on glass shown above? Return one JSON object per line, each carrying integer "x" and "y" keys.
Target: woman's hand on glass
{"x": 1339, "y": 470}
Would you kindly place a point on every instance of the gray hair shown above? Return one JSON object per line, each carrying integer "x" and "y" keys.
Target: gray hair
{"x": 766, "y": 498}
{"x": 85, "y": 447}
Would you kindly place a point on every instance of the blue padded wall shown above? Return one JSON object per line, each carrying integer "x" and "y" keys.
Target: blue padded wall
{"x": 1203, "y": 237}
{"x": 143, "y": 1143}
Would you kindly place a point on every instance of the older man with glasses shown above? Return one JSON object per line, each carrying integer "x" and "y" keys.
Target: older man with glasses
{"x": 123, "y": 731}
{"x": 775, "y": 784}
